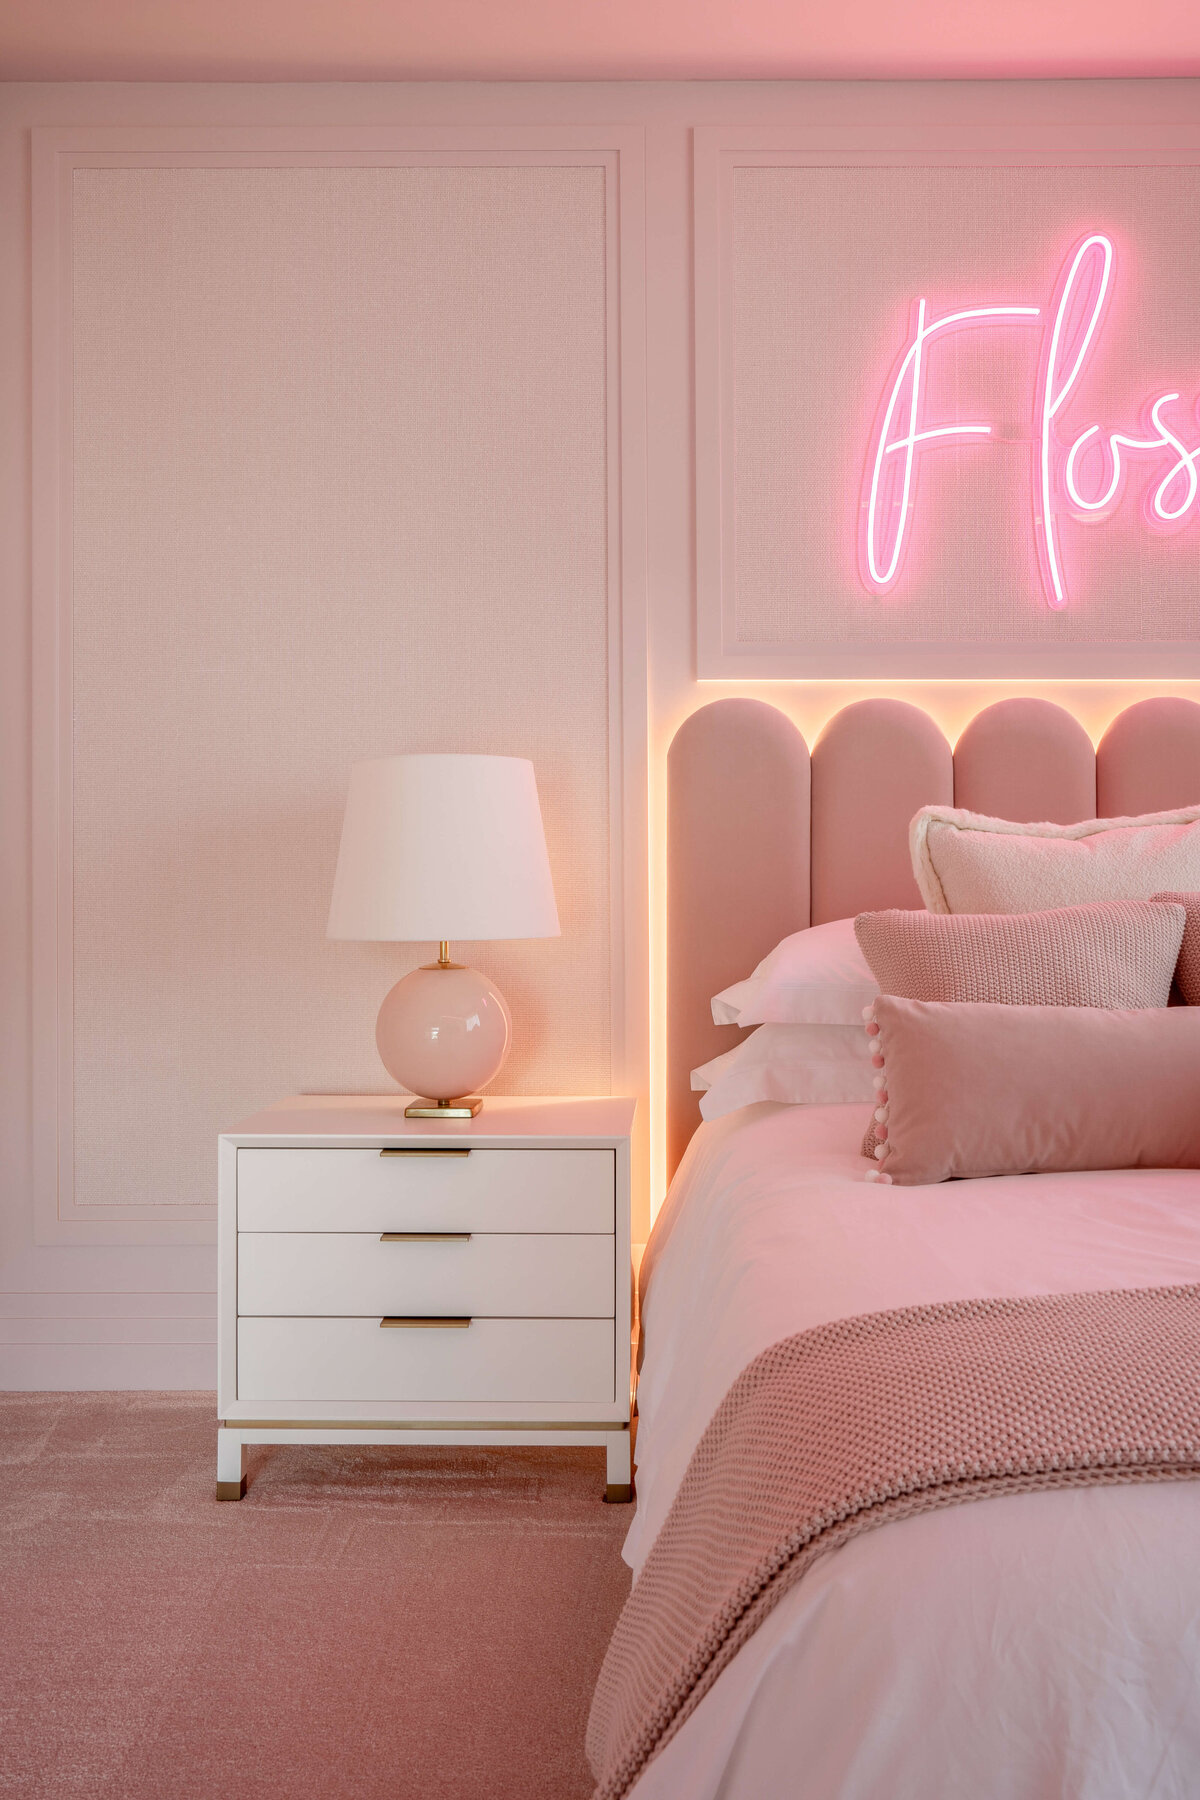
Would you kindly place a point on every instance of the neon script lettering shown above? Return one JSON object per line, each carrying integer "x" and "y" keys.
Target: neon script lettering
{"x": 1085, "y": 478}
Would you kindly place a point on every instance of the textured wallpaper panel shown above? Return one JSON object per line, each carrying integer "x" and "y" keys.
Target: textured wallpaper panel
{"x": 339, "y": 491}
{"x": 825, "y": 265}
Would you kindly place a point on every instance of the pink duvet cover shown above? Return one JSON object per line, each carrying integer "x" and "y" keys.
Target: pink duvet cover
{"x": 1033, "y": 1645}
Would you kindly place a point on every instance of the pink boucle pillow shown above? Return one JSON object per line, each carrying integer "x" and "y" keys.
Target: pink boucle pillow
{"x": 966, "y": 862}
{"x": 1118, "y": 953}
{"x": 1187, "y": 972}
{"x": 972, "y": 1090}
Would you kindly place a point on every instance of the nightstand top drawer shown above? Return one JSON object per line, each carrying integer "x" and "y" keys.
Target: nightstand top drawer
{"x": 446, "y": 1188}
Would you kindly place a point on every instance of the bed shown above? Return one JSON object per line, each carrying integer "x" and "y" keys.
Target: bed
{"x": 1030, "y": 1644}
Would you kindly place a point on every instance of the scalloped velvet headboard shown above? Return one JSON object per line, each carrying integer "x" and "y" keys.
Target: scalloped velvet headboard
{"x": 763, "y": 839}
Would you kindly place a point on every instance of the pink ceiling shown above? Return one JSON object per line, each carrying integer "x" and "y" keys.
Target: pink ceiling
{"x": 304, "y": 40}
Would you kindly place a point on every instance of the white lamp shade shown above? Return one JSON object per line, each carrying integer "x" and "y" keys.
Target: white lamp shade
{"x": 442, "y": 847}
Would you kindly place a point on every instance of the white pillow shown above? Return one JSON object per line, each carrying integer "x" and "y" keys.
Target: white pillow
{"x": 965, "y": 862}
{"x": 800, "y": 1065}
{"x": 815, "y": 977}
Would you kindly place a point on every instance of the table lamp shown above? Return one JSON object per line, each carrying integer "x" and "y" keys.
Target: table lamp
{"x": 435, "y": 848}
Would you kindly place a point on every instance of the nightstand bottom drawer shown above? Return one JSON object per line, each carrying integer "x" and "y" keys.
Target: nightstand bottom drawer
{"x": 491, "y": 1361}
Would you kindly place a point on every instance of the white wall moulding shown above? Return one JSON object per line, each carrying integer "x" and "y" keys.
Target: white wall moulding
{"x": 260, "y": 703}
{"x": 338, "y": 452}
{"x": 946, "y": 403}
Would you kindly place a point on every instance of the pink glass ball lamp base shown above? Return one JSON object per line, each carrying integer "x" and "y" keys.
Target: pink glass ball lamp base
{"x": 443, "y": 1032}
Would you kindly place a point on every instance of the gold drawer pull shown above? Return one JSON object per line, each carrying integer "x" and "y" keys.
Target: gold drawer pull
{"x": 433, "y": 1150}
{"x": 424, "y": 1237}
{"x": 401, "y": 1324}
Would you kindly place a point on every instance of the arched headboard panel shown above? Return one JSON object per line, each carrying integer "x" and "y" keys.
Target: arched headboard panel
{"x": 873, "y": 766}
{"x": 737, "y": 874}
{"x": 738, "y": 827}
{"x": 1027, "y": 760}
{"x": 1149, "y": 759}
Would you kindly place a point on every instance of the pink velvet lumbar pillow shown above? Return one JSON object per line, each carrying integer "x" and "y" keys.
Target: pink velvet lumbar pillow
{"x": 1187, "y": 972}
{"x": 973, "y": 1090}
{"x": 1117, "y": 954}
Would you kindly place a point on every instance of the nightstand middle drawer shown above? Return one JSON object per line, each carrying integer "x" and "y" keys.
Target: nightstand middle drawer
{"x": 481, "y": 1275}
{"x": 445, "y": 1187}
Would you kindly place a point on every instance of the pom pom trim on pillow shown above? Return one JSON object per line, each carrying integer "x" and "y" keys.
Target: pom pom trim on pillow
{"x": 874, "y": 1144}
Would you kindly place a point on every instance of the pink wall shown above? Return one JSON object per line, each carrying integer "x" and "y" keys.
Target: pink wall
{"x": 624, "y": 40}
{"x": 120, "y": 1310}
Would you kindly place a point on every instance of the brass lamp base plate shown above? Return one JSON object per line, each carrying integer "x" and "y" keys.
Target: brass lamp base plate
{"x": 443, "y": 1109}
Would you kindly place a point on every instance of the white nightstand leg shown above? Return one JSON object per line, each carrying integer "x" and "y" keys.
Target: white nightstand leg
{"x": 620, "y": 1473}
{"x": 231, "y": 1465}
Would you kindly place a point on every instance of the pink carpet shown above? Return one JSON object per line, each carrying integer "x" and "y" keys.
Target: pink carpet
{"x": 364, "y": 1623}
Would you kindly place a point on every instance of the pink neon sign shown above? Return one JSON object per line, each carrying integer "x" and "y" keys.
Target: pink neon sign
{"x": 1084, "y": 479}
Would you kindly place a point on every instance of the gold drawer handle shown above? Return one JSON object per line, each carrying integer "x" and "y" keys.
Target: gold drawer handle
{"x": 438, "y": 1150}
{"x": 424, "y": 1237}
{"x": 401, "y": 1324}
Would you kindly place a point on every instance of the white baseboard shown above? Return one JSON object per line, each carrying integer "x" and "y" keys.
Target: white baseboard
{"x": 81, "y": 1367}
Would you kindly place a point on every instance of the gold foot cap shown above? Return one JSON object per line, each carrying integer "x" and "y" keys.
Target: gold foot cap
{"x": 618, "y": 1493}
{"x": 231, "y": 1490}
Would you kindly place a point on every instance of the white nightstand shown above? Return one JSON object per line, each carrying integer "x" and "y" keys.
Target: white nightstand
{"x": 385, "y": 1280}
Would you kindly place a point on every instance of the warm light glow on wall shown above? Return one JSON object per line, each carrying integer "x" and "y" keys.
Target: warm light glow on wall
{"x": 810, "y": 706}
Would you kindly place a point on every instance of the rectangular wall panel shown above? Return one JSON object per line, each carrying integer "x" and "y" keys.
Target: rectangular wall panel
{"x": 816, "y": 274}
{"x": 336, "y": 468}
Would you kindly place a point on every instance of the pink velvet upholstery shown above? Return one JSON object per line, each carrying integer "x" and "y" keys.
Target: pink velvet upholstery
{"x": 874, "y": 765}
{"x": 737, "y": 875}
{"x": 1026, "y": 760}
{"x": 738, "y": 791}
{"x": 1149, "y": 759}
{"x": 1008, "y": 1090}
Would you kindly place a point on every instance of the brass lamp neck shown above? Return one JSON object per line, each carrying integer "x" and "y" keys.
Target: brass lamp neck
{"x": 443, "y": 961}
{"x": 443, "y": 958}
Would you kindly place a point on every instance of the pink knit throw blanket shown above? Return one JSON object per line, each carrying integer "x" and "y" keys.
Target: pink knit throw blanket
{"x": 840, "y": 1429}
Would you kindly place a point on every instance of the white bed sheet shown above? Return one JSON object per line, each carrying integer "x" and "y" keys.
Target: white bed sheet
{"x": 1031, "y": 1647}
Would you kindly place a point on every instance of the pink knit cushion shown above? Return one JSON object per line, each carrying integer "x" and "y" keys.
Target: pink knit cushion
{"x": 1118, "y": 953}
{"x": 1007, "y": 1090}
{"x": 1187, "y": 970}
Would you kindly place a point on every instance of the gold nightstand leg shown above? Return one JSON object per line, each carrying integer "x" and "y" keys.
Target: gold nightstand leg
{"x": 231, "y": 1465}
{"x": 619, "y": 1473}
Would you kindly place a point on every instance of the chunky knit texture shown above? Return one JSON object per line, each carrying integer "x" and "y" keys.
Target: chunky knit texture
{"x": 1120, "y": 953}
{"x": 1187, "y": 972}
{"x": 854, "y": 1424}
